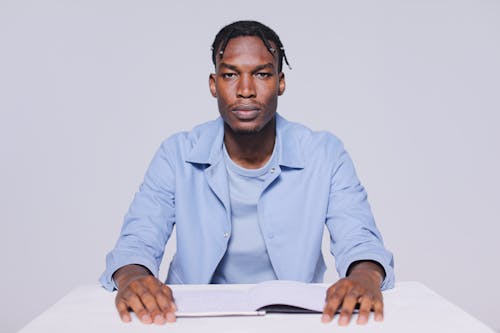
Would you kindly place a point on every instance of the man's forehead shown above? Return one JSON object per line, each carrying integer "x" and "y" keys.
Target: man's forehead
{"x": 248, "y": 49}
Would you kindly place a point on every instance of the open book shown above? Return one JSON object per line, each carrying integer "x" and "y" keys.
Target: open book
{"x": 251, "y": 299}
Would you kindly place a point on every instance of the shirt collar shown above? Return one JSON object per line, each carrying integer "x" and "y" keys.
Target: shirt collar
{"x": 289, "y": 149}
{"x": 208, "y": 148}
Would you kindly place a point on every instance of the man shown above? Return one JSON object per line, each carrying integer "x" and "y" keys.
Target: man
{"x": 249, "y": 194}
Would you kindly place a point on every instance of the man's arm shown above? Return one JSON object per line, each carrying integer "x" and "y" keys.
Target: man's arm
{"x": 150, "y": 219}
{"x": 362, "y": 285}
{"x": 139, "y": 290}
{"x": 134, "y": 262}
{"x": 357, "y": 245}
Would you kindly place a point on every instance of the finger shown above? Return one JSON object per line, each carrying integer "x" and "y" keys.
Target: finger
{"x": 166, "y": 303}
{"x": 135, "y": 303}
{"x": 348, "y": 305}
{"x": 155, "y": 304}
{"x": 140, "y": 298}
{"x": 378, "y": 308}
{"x": 122, "y": 308}
{"x": 157, "y": 299}
{"x": 150, "y": 304}
{"x": 364, "y": 309}
{"x": 334, "y": 298}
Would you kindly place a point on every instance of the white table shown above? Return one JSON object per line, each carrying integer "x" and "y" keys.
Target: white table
{"x": 410, "y": 307}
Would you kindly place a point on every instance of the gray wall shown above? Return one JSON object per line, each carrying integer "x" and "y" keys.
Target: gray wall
{"x": 88, "y": 89}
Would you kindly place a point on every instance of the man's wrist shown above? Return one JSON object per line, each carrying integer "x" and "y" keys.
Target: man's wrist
{"x": 367, "y": 268}
{"x": 126, "y": 274}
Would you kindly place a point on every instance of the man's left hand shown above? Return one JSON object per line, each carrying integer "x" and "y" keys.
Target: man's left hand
{"x": 362, "y": 285}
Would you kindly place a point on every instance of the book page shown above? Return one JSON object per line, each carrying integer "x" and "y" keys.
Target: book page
{"x": 308, "y": 296}
{"x": 224, "y": 300}
{"x": 212, "y": 301}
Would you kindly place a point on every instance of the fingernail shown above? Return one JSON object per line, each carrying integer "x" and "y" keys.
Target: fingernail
{"x": 325, "y": 318}
{"x": 343, "y": 321}
{"x": 170, "y": 317}
{"x": 146, "y": 319}
{"x": 159, "y": 319}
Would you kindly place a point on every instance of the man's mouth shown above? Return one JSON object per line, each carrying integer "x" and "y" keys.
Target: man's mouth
{"x": 245, "y": 112}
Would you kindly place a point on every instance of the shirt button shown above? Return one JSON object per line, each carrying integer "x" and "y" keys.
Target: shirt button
{"x": 270, "y": 236}
{"x": 273, "y": 170}
{"x": 226, "y": 234}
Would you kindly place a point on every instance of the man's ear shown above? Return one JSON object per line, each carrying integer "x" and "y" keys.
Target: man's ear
{"x": 282, "y": 85}
{"x": 211, "y": 84}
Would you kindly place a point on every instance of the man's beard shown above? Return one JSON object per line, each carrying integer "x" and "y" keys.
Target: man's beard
{"x": 246, "y": 131}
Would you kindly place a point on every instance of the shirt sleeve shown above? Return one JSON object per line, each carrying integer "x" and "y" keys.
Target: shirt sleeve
{"x": 149, "y": 221}
{"x": 353, "y": 232}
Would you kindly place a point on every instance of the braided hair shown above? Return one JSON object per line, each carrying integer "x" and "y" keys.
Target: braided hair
{"x": 249, "y": 28}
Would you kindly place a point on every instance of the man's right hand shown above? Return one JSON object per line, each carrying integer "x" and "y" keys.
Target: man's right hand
{"x": 148, "y": 297}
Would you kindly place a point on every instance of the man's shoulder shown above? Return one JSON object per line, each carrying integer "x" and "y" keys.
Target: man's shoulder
{"x": 194, "y": 145}
{"x": 305, "y": 136}
{"x": 209, "y": 128}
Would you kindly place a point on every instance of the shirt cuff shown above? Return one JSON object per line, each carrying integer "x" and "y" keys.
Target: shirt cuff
{"x": 115, "y": 262}
{"x": 386, "y": 263}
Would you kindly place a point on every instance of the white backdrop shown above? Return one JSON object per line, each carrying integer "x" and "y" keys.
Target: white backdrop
{"x": 88, "y": 90}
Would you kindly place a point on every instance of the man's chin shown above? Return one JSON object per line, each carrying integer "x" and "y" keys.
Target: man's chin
{"x": 247, "y": 127}
{"x": 246, "y": 131}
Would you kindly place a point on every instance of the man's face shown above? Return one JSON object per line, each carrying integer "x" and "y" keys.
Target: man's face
{"x": 247, "y": 85}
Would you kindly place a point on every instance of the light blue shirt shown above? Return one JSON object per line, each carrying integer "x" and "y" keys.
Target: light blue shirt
{"x": 186, "y": 185}
{"x": 246, "y": 259}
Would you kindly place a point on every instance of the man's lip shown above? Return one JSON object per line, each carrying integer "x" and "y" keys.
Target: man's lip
{"x": 245, "y": 108}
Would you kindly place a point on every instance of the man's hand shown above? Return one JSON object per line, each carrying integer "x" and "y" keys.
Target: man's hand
{"x": 139, "y": 290}
{"x": 362, "y": 285}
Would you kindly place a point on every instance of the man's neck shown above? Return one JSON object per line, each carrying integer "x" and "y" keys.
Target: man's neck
{"x": 251, "y": 151}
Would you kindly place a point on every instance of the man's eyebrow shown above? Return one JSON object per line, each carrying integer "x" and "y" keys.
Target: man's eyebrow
{"x": 228, "y": 66}
{"x": 269, "y": 65}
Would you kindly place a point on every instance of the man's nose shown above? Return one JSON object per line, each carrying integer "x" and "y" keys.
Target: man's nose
{"x": 246, "y": 87}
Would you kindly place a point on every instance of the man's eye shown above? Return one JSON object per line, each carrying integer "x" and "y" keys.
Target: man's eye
{"x": 263, "y": 75}
{"x": 229, "y": 75}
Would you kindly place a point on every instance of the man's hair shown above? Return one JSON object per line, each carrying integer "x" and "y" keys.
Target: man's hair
{"x": 249, "y": 28}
